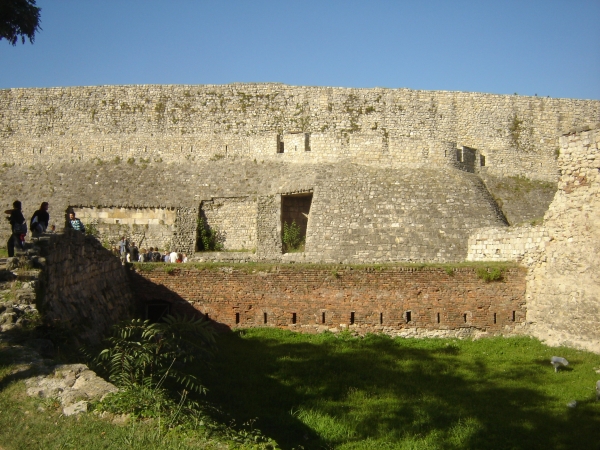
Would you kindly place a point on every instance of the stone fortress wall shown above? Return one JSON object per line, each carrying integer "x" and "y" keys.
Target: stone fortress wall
{"x": 391, "y": 174}
{"x": 562, "y": 255}
{"x": 385, "y": 127}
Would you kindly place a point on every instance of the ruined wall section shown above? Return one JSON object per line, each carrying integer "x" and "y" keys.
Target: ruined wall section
{"x": 233, "y": 220}
{"x": 502, "y": 244}
{"x": 358, "y": 214}
{"x": 397, "y": 127}
{"x": 364, "y": 215}
{"x": 84, "y": 289}
{"x": 563, "y": 286}
{"x": 147, "y": 227}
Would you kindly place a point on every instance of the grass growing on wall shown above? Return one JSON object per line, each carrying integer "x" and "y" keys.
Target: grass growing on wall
{"x": 336, "y": 391}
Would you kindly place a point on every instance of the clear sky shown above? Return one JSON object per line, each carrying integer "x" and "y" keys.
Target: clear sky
{"x": 543, "y": 47}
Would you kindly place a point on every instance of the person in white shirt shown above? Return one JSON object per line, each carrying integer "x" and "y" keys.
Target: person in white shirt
{"x": 173, "y": 257}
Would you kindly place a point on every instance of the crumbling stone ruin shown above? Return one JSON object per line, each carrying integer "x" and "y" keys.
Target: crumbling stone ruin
{"x": 367, "y": 176}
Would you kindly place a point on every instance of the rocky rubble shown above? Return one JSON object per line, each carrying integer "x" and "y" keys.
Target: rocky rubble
{"x": 74, "y": 385}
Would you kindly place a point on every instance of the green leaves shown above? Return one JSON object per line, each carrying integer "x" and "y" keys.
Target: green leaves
{"x": 208, "y": 239}
{"x": 292, "y": 236}
{"x": 141, "y": 353}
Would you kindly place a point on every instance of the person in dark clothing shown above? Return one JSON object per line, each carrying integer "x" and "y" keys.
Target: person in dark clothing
{"x": 39, "y": 220}
{"x": 134, "y": 253}
{"x": 75, "y": 223}
{"x": 18, "y": 228}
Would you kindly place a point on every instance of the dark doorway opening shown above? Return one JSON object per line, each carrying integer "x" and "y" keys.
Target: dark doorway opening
{"x": 156, "y": 310}
{"x": 295, "y": 210}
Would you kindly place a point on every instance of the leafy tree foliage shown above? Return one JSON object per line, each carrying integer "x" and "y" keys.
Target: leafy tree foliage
{"x": 19, "y": 18}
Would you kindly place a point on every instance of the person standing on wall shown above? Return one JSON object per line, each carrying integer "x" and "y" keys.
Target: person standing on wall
{"x": 75, "y": 223}
{"x": 18, "y": 228}
{"x": 123, "y": 244}
{"x": 39, "y": 220}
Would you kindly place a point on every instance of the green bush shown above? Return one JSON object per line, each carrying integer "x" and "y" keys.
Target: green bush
{"x": 488, "y": 275}
{"x": 292, "y": 236}
{"x": 147, "y": 354}
{"x": 209, "y": 239}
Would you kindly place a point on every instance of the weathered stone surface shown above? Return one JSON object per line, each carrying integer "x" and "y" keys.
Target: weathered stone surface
{"x": 72, "y": 384}
{"x": 563, "y": 289}
{"x": 85, "y": 287}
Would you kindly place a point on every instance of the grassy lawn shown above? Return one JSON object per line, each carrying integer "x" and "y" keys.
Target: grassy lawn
{"x": 327, "y": 391}
{"x": 339, "y": 392}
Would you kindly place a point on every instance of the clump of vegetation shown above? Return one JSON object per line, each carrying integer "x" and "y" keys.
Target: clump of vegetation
{"x": 141, "y": 353}
{"x": 209, "y": 239}
{"x": 489, "y": 275}
{"x": 91, "y": 229}
{"x": 292, "y": 237}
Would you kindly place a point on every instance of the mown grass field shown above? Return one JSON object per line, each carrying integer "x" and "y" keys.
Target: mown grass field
{"x": 339, "y": 392}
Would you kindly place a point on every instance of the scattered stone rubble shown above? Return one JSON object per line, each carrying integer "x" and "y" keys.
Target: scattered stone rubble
{"x": 74, "y": 385}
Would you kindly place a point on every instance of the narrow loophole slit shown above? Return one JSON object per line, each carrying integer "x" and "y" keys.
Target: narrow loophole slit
{"x": 264, "y": 317}
{"x": 293, "y": 317}
{"x": 352, "y": 318}
{"x": 494, "y": 317}
{"x": 322, "y": 317}
{"x": 237, "y": 318}
{"x": 408, "y": 316}
{"x": 438, "y": 317}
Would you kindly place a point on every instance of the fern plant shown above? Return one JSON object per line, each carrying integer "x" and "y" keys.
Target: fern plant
{"x": 146, "y": 354}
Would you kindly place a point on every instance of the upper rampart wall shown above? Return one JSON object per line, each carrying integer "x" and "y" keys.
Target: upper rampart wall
{"x": 387, "y": 127}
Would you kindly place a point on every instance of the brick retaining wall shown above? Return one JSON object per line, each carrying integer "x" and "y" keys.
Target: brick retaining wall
{"x": 366, "y": 299}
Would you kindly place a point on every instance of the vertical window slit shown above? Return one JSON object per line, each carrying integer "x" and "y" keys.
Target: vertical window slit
{"x": 514, "y": 316}
{"x": 352, "y": 318}
{"x": 293, "y": 317}
{"x": 380, "y": 318}
{"x": 237, "y": 318}
{"x": 264, "y": 317}
{"x": 465, "y": 317}
{"x": 438, "y": 317}
{"x": 494, "y": 317}
{"x": 408, "y": 316}
{"x": 322, "y": 317}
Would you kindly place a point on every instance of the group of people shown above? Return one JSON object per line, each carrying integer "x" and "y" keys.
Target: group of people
{"x": 128, "y": 252}
{"x": 18, "y": 226}
{"x": 38, "y": 224}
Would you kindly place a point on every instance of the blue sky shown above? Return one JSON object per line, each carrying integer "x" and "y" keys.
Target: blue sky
{"x": 545, "y": 47}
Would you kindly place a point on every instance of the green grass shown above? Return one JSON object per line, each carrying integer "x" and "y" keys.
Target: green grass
{"x": 33, "y": 423}
{"x": 3, "y": 252}
{"x": 331, "y": 391}
{"x": 328, "y": 391}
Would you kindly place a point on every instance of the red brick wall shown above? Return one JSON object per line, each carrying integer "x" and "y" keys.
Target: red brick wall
{"x": 378, "y": 298}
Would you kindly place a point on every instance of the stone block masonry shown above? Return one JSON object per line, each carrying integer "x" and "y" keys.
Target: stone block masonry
{"x": 84, "y": 288}
{"x": 563, "y": 285}
{"x": 383, "y": 127}
{"x": 396, "y": 300}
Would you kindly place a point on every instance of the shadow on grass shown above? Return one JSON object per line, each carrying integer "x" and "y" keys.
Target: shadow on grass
{"x": 387, "y": 392}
